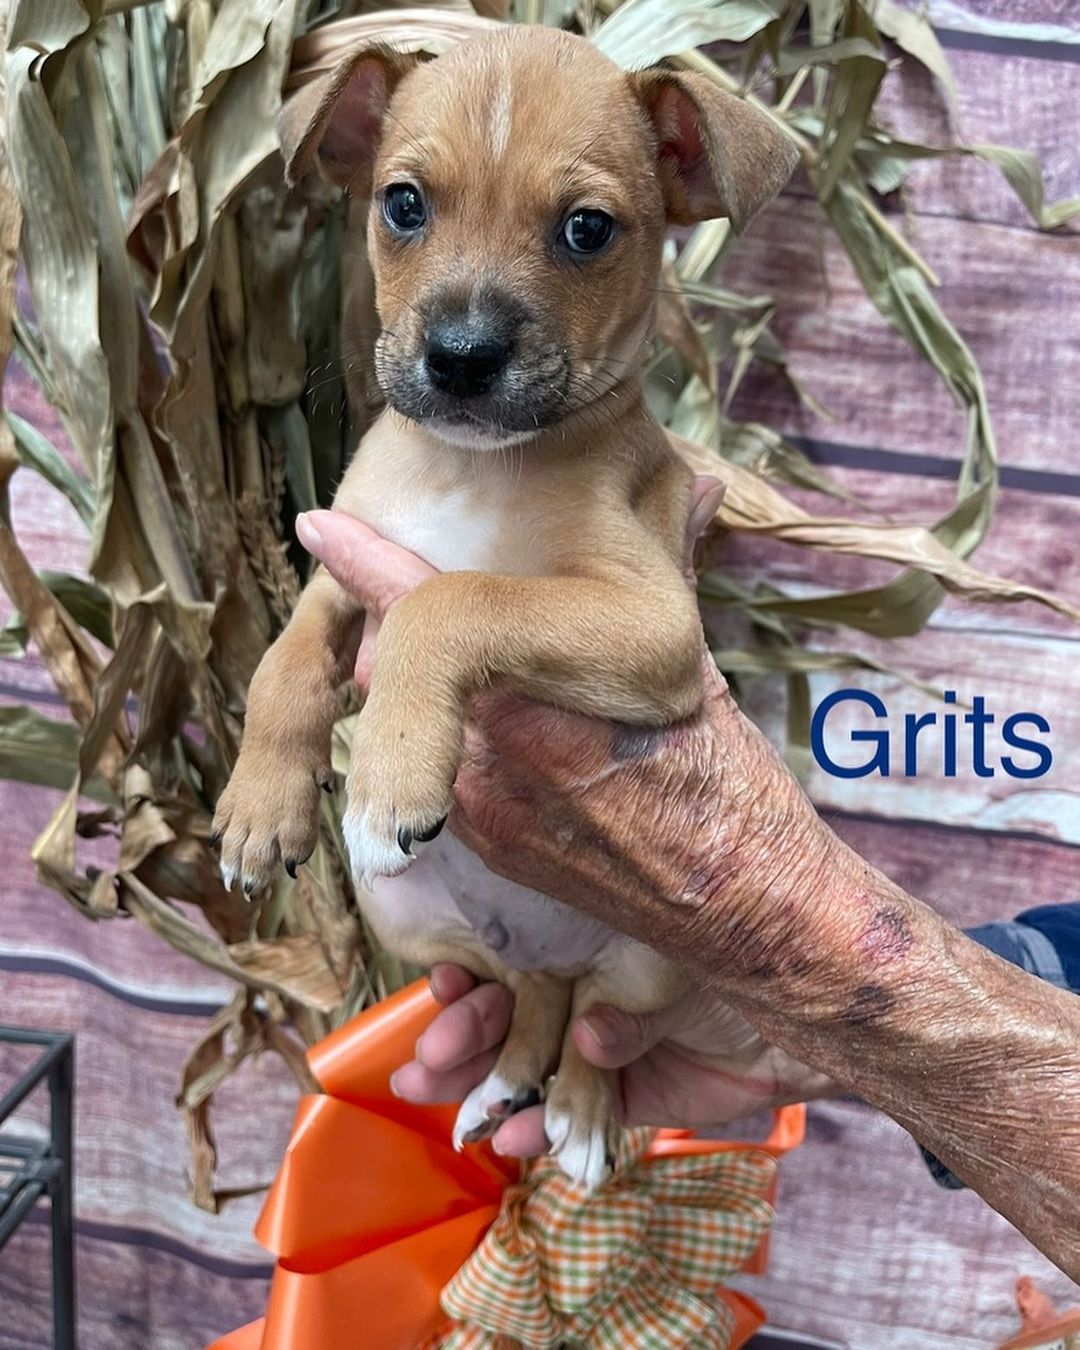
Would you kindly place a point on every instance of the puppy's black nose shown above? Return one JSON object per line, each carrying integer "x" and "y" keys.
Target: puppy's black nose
{"x": 464, "y": 359}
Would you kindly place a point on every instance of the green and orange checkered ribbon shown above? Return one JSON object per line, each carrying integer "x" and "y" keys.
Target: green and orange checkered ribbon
{"x": 636, "y": 1263}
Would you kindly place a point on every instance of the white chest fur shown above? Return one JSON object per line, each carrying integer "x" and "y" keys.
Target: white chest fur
{"x": 460, "y": 510}
{"x": 456, "y": 531}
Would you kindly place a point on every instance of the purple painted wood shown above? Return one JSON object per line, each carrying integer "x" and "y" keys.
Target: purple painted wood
{"x": 1020, "y": 102}
{"x": 1013, "y": 295}
{"x": 1061, "y": 12}
{"x": 910, "y": 1266}
{"x": 131, "y": 1158}
{"x": 131, "y": 1295}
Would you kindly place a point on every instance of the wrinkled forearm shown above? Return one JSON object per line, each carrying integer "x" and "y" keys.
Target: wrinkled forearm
{"x": 978, "y": 1059}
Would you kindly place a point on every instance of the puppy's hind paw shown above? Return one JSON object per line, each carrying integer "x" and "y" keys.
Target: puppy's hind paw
{"x": 583, "y": 1131}
{"x": 488, "y": 1105}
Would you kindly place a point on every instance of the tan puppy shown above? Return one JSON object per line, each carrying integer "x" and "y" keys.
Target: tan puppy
{"x": 520, "y": 189}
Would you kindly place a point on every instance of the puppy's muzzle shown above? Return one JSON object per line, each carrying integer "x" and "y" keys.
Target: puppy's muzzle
{"x": 465, "y": 358}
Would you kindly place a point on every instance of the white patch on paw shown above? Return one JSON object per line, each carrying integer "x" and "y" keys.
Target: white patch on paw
{"x": 580, "y": 1150}
{"x": 475, "y": 1112}
{"x": 372, "y": 853}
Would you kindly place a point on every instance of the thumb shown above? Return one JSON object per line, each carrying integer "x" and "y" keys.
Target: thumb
{"x": 368, "y": 566}
{"x": 611, "y": 1038}
{"x": 705, "y": 497}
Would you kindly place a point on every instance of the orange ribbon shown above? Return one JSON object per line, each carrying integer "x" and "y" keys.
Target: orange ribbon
{"x": 373, "y": 1212}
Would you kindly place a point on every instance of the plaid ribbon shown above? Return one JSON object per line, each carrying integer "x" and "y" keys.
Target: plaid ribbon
{"x": 636, "y": 1263}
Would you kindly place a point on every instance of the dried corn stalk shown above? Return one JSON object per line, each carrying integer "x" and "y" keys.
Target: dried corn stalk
{"x": 191, "y": 324}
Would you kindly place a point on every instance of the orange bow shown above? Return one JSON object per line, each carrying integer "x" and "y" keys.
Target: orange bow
{"x": 373, "y": 1212}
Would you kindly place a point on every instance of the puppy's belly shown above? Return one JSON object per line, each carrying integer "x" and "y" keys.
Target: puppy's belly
{"x": 448, "y": 902}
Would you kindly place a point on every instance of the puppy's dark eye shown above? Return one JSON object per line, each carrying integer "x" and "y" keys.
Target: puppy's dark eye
{"x": 404, "y": 208}
{"x": 587, "y": 231}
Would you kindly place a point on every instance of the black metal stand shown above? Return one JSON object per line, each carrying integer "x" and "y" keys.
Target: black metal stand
{"x": 33, "y": 1168}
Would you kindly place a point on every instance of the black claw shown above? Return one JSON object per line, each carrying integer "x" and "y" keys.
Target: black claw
{"x": 406, "y": 838}
{"x": 426, "y": 836}
{"x": 520, "y": 1101}
{"x": 326, "y": 782}
{"x": 480, "y": 1133}
{"x": 609, "y": 1159}
{"x": 531, "y": 1096}
{"x": 215, "y": 839}
{"x": 290, "y": 867}
{"x": 249, "y": 888}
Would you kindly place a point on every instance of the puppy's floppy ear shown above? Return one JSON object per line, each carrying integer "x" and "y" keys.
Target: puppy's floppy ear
{"x": 717, "y": 154}
{"x": 336, "y": 119}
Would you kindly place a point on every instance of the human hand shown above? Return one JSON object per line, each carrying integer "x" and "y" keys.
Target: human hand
{"x": 695, "y": 1064}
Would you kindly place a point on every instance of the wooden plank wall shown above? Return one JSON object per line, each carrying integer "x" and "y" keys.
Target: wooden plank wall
{"x": 867, "y": 1250}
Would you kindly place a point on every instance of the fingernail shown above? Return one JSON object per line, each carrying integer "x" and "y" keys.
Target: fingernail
{"x": 496, "y": 1147}
{"x": 706, "y": 509}
{"x": 602, "y": 1029}
{"x": 394, "y": 1085}
{"x": 306, "y": 532}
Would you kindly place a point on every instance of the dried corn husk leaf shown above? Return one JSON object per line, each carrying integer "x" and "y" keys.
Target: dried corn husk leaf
{"x": 887, "y": 160}
{"x": 857, "y": 81}
{"x": 36, "y": 452}
{"x": 293, "y": 967}
{"x": 750, "y": 505}
{"x": 769, "y": 455}
{"x": 41, "y": 750}
{"x": 766, "y": 660}
{"x": 912, "y": 30}
{"x": 1022, "y": 172}
{"x": 641, "y": 32}
{"x": 829, "y": 54}
{"x": 85, "y": 604}
{"x": 234, "y": 1035}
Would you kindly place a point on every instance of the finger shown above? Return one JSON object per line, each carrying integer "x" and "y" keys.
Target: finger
{"x": 450, "y": 982}
{"x": 473, "y": 1024}
{"x": 611, "y": 1038}
{"x": 706, "y": 494}
{"x": 371, "y": 568}
{"x": 365, "y": 655}
{"x": 522, "y": 1136}
{"x": 415, "y": 1082}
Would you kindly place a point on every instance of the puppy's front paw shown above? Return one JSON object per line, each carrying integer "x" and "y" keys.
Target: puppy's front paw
{"x": 581, "y": 1126}
{"x": 268, "y": 815}
{"x": 399, "y": 796}
{"x": 381, "y": 840}
{"x": 490, "y": 1103}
